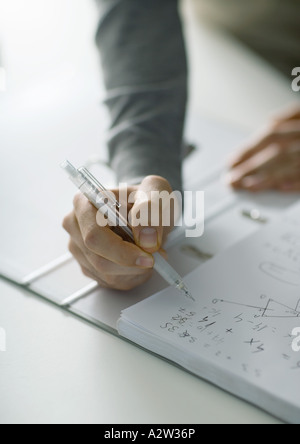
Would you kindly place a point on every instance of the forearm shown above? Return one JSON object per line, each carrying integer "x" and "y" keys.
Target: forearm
{"x": 145, "y": 73}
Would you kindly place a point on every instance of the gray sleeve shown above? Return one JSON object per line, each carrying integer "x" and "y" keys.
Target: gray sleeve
{"x": 145, "y": 72}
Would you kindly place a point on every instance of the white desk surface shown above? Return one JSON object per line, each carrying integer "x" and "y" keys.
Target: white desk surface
{"x": 58, "y": 369}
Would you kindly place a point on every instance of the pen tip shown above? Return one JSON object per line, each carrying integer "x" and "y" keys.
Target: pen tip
{"x": 188, "y": 294}
{"x": 183, "y": 287}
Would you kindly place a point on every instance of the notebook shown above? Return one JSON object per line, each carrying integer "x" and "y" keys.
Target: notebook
{"x": 239, "y": 332}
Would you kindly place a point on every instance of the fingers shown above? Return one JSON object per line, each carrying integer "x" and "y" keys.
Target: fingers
{"x": 105, "y": 256}
{"x": 104, "y": 242}
{"x": 291, "y": 114}
{"x": 264, "y": 160}
{"x": 272, "y": 160}
{"x": 256, "y": 183}
{"x": 148, "y": 216}
{"x": 254, "y": 147}
{"x": 283, "y": 136}
{"x": 280, "y": 176}
{"x": 71, "y": 226}
{"x": 106, "y": 273}
{"x": 86, "y": 268}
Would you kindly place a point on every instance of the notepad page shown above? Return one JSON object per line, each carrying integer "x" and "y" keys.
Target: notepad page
{"x": 238, "y": 334}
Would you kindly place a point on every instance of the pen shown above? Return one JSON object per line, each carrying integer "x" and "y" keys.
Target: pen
{"x": 97, "y": 194}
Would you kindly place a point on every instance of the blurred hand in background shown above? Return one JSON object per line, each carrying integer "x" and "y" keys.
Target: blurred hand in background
{"x": 272, "y": 160}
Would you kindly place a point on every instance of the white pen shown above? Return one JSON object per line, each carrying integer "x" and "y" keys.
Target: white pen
{"x": 97, "y": 195}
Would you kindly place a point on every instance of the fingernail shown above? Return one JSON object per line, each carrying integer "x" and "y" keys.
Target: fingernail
{"x": 145, "y": 262}
{"x": 148, "y": 238}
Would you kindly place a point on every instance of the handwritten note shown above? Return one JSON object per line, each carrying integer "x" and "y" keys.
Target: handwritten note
{"x": 240, "y": 328}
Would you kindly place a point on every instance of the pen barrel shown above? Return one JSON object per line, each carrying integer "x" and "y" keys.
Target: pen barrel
{"x": 166, "y": 270}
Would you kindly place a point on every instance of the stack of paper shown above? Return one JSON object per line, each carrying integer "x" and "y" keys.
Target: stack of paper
{"x": 239, "y": 333}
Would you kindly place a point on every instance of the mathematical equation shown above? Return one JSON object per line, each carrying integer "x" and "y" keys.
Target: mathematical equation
{"x": 226, "y": 327}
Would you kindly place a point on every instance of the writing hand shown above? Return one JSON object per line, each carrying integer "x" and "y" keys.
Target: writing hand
{"x": 102, "y": 254}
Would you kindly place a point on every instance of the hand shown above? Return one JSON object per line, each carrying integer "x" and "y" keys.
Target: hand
{"x": 103, "y": 255}
{"x": 273, "y": 160}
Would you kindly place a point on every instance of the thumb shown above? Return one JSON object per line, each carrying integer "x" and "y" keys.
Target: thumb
{"x": 146, "y": 216}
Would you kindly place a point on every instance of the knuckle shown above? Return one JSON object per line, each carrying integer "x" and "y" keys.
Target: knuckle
{"x": 67, "y": 223}
{"x": 111, "y": 280}
{"x": 90, "y": 238}
{"x": 157, "y": 178}
{"x": 77, "y": 200}
{"x": 166, "y": 185}
{"x": 71, "y": 247}
{"x": 157, "y": 181}
{"x": 86, "y": 272}
{"x": 126, "y": 256}
{"x": 102, "y": 265}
